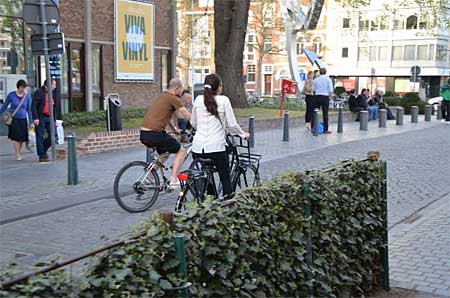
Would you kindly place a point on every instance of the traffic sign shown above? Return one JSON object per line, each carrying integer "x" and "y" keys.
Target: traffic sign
{"x": 302, "y": 76}
{"x": 31, "y": 14}
{"x": 55, "y": 43}
{"x": 415, "y": 70}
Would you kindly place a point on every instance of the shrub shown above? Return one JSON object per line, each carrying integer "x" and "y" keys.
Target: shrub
{"x": 256, "y": 248}
{"x": 389, "y": 94}
{"x": 411, "y": 96}
{"x": 98, "y": 117}
{"x": 406, "y": 103}
{"x": 339, "y": 90}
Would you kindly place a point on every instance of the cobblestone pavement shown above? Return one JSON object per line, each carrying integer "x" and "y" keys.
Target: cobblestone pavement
{"x": 418, "y": 159}
{"x": 420, "y": 249}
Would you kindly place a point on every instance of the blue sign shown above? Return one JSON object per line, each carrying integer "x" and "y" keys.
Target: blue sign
{"x": 302, "y": 76}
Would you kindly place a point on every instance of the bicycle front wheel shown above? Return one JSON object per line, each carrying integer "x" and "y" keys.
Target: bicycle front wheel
{"x": 135, "y": 187}
{"x": 246, "y": 178}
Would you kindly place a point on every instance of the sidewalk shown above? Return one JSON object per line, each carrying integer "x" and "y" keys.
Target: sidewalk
{"x": 74, "y": 219}
{"x": 43, "y": 187}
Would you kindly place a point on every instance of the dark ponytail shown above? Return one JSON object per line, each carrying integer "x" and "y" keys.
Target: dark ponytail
{"x": 212, "y": 84}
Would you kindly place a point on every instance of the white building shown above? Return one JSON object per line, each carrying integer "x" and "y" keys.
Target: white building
{"x": 375, "y": 49}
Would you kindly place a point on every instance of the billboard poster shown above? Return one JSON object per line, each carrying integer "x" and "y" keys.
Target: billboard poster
{"x": 134, "y": 40}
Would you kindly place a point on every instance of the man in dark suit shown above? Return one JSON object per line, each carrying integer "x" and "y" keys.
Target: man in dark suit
{"x": 41, "y": 118}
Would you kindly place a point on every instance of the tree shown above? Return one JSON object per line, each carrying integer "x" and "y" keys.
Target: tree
{"x": 230, "y": 26}
{"x": 267, "y": 26}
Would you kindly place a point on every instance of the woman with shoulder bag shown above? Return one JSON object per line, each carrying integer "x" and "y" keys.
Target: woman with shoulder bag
{"x": 20, "y": 109}
{"x": 211, "y": 114}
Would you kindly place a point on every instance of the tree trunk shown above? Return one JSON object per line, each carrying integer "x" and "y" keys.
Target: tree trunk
{"x": 258, "y": 75}
{"x": 230, "y": 26}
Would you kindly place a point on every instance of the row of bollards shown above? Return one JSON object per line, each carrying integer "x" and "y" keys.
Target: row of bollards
{"x": 363, "y": 119}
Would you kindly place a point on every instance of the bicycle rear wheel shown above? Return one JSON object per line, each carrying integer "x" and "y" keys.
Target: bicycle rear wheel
{"x": 135, "y": 188}
{"x": 246, "y": 178}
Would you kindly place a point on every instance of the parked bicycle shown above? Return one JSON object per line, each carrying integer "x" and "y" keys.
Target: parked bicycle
{"x": 199, "y": 180}
{"x": 138, "y": 184}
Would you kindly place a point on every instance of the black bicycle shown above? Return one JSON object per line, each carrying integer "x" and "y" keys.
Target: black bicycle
{"x": 199, "y": 180}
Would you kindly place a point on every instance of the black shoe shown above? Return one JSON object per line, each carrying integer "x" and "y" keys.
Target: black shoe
{"x": 44, "y": 159}
{"x": 357, "y": 120}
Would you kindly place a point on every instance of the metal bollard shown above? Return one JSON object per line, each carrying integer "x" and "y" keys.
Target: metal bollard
{"x": 414, "y": 114}
{"x": 428, "y": 109}
{"x": 340, "y": 127}
{"x": 179, "y": 250}
{"x": 363, "y": 120}
{"x": 383, "y": 118}
{"x": 399, "y": 118}
{"x": 439, "y": 112}
{"x": 251, "y": 130}
{"x": 286, "y": 127}
{"x": 72, "y": 166}
{"x": 316, "y": 122}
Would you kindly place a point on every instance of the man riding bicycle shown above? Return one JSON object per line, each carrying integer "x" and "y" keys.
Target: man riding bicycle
{"x": 158, "y": 116}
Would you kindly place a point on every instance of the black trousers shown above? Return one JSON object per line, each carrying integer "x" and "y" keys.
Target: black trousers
{"x": 222, "y": 164}
{"x": 324, "y": 102}
{"x": 445, "y": 106}
{"x": 309, "y": 108}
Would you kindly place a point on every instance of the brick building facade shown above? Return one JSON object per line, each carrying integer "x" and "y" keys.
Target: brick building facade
{"x": 73, "y": 91}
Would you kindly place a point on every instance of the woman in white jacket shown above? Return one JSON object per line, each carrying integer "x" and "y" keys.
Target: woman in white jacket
{"x": 212, "y": 117}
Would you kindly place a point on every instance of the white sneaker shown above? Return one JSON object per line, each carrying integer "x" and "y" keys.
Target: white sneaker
{"x": 174, "y": 184}
{"x": 447, "y": 122}
{"x": 443, "y": 120}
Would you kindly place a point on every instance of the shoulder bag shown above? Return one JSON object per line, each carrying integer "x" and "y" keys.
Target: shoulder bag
{"x": 7, "y": 117}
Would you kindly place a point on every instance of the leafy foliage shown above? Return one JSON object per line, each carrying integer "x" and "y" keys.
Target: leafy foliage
{"x": 98, "y": 117}
{"x": 406, "y": 103}
{"x": 256, "y": 248}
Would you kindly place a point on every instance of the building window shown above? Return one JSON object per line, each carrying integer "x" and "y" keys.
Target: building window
{"x": 372, "y": 53}
{"x": 384, "y": 25}
{"x": 399, "y": 23}
{"x": 441, "y": 52}
{"x": 344, "y": 52}
{"x": 268, "y": 69}
{"x": 251, "y": 71}
{"x": 317, "y": 45}
{"x": 410, "y": 52}
{"x": 374, "y": 25}
{"x": 431, "y": 52}
{"x": 300, "y": 46}
{"x": 363, "y": 54}
{"x": 423, "y": 21}
{"x": 346, "y": 23}
{"x": 250, "y": 48}
{"x": 13, "y": 36}
{"x": 363, "y": 25}
{"x": 251, "y": 38}
{"x": 422, "y": 52}
{"x": 397, "y": 53}
{"x": 382, "y": 53}
{"x": 267, "y": 44}
{"x": 411, "y": 22}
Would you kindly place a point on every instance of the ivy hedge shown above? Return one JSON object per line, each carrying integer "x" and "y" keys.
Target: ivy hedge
{"x": 407, "y": 101}
{"x": 98, "y": 117}
{"x": 255, "y": 248}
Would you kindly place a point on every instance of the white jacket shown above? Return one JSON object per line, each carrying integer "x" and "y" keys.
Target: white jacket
{"x": 210, "y": 134}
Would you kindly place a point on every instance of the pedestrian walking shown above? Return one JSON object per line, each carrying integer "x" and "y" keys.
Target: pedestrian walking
{"x": 20, "y": 109}
{"x": 323, "y": 90}
{"x": 308, "y": 91}
{"x": 445, "y": 106}
{"x": 41, "y": 118}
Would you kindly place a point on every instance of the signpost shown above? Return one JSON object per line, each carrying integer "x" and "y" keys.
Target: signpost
{"x": 415, "y": 71}
{"x": 42, "y": 16}
{"x": 287, "y": 87}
